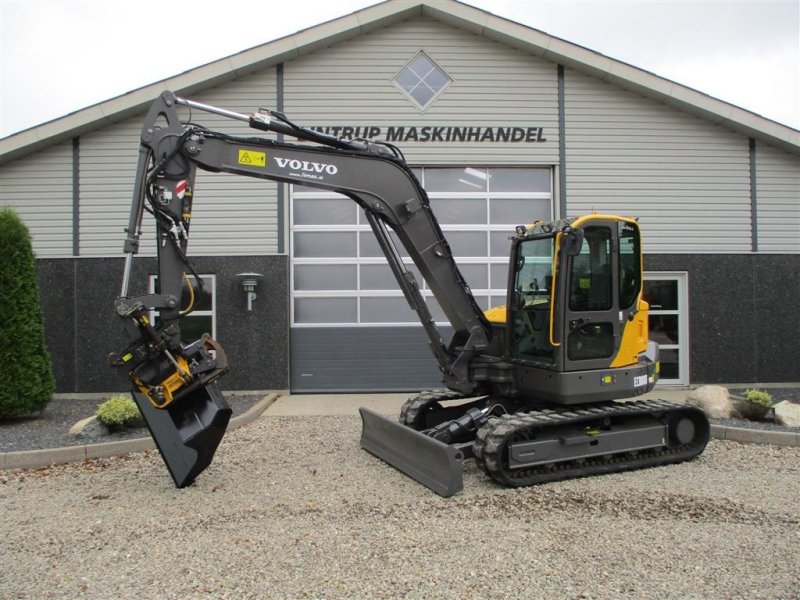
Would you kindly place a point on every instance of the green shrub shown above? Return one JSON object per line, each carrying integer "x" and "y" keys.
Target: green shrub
{"x": 26, "y": 372}
{"x": 118, "y": 411}
{"x": 759, "y": 397}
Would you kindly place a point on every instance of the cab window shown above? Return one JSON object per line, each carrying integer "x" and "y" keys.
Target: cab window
{"x": 530, "y": 322}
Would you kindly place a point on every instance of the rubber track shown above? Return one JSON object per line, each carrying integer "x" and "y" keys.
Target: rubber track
{"x": 411, "y": 413}
{"x": 495, "y": 435}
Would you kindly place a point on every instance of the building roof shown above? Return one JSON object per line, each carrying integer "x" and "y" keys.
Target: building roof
{"x": 451, "y": 12}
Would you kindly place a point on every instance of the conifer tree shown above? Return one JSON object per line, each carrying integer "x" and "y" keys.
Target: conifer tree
{"x": 26, "y": 371}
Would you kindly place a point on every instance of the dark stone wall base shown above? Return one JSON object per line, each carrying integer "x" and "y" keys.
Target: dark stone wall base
{"x": 744, "y": 320}
{"x": 81, "y": 327}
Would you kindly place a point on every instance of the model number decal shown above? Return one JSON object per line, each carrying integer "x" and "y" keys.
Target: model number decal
{"x": 640, "y": 381}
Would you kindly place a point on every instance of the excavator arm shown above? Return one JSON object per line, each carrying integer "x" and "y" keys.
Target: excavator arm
{"x": 385, "y": 188}
{"x": 171, "y": 377}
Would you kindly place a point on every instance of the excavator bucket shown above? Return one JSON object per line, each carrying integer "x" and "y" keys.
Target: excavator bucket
{"x": 431, "y": 462}
{"x": 188, "y": 431}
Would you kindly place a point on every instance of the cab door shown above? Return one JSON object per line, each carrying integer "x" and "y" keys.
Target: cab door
{"x": 592, "y": 319}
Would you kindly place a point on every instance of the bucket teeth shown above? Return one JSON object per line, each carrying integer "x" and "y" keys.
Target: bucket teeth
{"x": 428, "y": 461}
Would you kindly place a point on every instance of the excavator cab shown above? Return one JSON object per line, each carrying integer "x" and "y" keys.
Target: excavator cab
{"x": 576, "y": 322}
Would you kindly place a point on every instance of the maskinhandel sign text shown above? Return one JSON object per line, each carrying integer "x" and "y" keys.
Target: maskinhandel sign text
{"x": 436, "y": 133}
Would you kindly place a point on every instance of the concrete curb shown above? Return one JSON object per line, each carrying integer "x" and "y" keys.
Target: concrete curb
{"x": 745, "y": 435}
{"x": 35, "y": 459}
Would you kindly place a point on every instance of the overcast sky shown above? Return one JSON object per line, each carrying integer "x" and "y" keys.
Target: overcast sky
{"x": 58, "y": 56}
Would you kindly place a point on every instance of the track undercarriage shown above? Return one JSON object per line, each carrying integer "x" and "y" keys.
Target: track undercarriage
{"x": 520, "y": 444}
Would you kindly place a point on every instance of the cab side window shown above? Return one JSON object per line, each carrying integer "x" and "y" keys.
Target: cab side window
{"x": 630, "y": 271}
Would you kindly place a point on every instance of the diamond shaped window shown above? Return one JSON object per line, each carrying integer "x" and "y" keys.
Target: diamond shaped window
{"x": 422, "y": 80}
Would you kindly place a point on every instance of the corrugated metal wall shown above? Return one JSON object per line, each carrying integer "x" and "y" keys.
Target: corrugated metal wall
{"x": 231, "y": 215}
{"x": 687, "y": 180}
{"x": 778, "y": 200}
{"x": 493, "y": 85}
{"x": 39, "y": 188}
{"x": 108, "y": 159}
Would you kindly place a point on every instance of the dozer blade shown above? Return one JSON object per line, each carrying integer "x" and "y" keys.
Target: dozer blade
{"x": 431, "y": 462}
{"x": 188, "y": 431}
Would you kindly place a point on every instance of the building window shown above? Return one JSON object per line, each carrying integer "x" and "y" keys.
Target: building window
{"x": 203, "y": 318}
{"x": 668, "y": 297}
{"x": 422, "y": 80}
{"x": 339, "y": 275}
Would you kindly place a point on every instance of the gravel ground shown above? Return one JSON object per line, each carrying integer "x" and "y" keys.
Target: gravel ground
{"x": 51, "y": 428}
{"x": 292, "y": 508}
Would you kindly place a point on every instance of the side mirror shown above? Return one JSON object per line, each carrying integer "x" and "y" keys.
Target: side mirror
{"x": 573, "y": 242}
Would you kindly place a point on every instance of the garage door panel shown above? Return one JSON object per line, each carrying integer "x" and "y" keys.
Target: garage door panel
{"x": 331, "y": 359}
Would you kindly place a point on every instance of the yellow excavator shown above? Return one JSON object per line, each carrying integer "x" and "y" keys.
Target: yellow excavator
{"x": 532, "y": 390}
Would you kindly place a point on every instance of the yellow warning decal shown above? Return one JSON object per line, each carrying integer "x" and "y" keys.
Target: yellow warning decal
{"x": 252, "y": 158}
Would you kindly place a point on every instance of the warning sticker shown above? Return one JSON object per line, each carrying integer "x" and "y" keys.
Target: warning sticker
{"x": 180, "y": 189}
{"x": 252, "y": 158}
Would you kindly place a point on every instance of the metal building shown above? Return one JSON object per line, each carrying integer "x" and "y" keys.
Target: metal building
{"x": 505, "y": 125}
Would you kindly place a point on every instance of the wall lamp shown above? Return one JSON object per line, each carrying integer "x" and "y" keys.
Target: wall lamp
{"x": 249, "y": 282}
